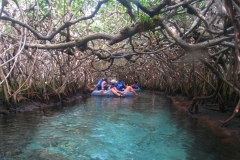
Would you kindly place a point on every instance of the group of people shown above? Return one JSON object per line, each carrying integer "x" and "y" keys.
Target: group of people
{"x": 116, "y": 87}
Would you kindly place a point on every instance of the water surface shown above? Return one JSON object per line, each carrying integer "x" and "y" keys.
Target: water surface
{"x": 145, "y": 127}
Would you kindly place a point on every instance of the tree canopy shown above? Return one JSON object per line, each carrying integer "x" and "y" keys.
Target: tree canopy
{"x": 57, "y": 46}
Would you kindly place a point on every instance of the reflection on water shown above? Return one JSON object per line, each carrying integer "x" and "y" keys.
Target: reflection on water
{"x": 145, "y": 127}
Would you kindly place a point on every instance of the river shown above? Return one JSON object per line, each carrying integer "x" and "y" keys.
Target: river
{"x": 107, "y": 128}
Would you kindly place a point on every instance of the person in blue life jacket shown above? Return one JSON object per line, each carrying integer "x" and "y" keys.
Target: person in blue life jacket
{"x": 135, "y": 85}
{"x": 99, "y": 84}
{"x": 114, "y": 89}
{"x": 102, "y": 84}
{"x": 121, "y": 86}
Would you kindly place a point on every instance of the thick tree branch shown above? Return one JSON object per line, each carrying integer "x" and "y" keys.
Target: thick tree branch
{"x": 79, "y": 42}
{"x": 153, "y": 11}
{"x": 192, "y": 47}
{"x": 137, "y": 28}
{"x": 156, "y": 10}
{"x": 127, "y": 4}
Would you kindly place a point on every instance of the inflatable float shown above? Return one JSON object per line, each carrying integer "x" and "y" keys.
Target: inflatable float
{"x": 137, "y": 89}
{"x": 110, "y": 94}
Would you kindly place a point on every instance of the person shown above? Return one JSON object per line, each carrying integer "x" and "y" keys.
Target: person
{"x": 102, "y": 84}
{"x": 99, "y": 84}
{"x": 121, "y": 86}
{"x": 114, "y": 90}
{"x": 135, "y": 85}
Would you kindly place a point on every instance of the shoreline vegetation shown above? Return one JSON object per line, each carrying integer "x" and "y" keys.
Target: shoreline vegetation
{"x": 27, "y": 106}
{"x": 209, "y": 117}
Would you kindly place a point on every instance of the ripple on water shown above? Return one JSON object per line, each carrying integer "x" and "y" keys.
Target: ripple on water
{"x": 110, "y": 128}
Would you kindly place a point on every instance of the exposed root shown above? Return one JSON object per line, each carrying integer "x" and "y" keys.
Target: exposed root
{"x": 236, "y": 110}
{"x": 208, "y": 106}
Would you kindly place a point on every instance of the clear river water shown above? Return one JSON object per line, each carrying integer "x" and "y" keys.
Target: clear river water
{"x": 147, "y": 127}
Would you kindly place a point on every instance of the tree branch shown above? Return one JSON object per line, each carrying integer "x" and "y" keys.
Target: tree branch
{"x": 65, "y": 25}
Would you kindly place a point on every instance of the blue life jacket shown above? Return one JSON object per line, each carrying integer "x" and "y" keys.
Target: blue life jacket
{"x": 106, "y": 86}
{"x": 99, "y": 84}
{"x": 112, "y": 85}
{"x": 135, "y": 86}
{"x": 120, "y": 85}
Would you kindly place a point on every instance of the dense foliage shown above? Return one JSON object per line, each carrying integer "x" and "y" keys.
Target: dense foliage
{"x": 55, "y": 48}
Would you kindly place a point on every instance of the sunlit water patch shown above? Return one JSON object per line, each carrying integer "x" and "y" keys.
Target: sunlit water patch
{"x": 145, "y": 127}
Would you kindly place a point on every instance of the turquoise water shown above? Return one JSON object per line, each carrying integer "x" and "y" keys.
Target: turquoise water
{"x": 146, "y": 127}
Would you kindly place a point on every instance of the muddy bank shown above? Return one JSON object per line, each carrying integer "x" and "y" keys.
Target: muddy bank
{"x": 211, "y": 118}
{"x": 27, "y": 106}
